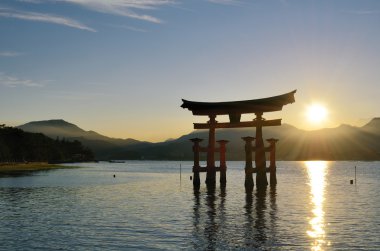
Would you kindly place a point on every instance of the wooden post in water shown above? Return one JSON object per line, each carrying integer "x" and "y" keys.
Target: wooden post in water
{"x": 196, "y": 166}
{"x": 211, "y": 170}
{"x": 260, "y": 161}
{"x": 272, "y": 158}
{"x": 223, "y": 166}
{"x": 249, "y": 184}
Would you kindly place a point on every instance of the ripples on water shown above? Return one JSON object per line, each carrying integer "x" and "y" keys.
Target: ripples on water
{"x": 146, "y": 206}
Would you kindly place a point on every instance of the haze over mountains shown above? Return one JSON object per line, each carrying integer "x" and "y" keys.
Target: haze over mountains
{"x": 99, "y": 144}
{"x": 18, "y": 146}
{"x": 341, "y": 143}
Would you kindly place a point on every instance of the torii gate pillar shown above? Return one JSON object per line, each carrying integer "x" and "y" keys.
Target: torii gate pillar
{"x": 211, "y": 170}
{"x": 222, "y": 166}
{"x": 272, "y": 165}
{"x": 260, "y": 161}
{"x": 248, "y": 183}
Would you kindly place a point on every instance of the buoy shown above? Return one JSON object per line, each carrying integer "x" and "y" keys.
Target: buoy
{"x": 114, "y": 176}
{"x": 351, "y": 182}
{"x": 191, "y": 177}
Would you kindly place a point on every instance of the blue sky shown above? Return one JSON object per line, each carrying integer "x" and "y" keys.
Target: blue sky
{"x": 121, "y": 67}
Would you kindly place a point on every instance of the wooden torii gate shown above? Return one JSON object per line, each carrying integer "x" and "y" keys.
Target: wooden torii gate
{"x": 234, "y": 110}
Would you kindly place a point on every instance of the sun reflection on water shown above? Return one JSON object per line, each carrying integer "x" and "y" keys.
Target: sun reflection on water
{"x": 317, "y": 171}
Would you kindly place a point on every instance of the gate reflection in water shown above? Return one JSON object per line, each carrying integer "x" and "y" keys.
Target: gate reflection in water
{"x": 214, "y": 227}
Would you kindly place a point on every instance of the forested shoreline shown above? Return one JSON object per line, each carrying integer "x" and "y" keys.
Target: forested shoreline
{"x": 17, "y": 145}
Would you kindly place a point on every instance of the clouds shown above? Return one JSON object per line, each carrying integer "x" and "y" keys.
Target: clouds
{"x": 361, "y": 12}
{"x": 134, "y": 9}
{"x": 11, "y": 81}
{"x": 226, "y": 2}
{"x": 10, "y": 54}
{"x": 41, "y": 17}
{"x": 127, "y": 27}
{"x": 125, "y": 8}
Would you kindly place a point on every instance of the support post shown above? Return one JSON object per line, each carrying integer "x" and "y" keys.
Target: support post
{"x": 211, "y": 170}
{"x": 272, "y": 165}
{"x": 249, "y": 184}
{"x": 196, "y": 166}
{"x": 223, "y": 166}
{"x": 260, "y": 161}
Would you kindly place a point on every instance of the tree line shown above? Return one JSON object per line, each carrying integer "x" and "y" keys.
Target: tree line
{"x": 19, "y": 146}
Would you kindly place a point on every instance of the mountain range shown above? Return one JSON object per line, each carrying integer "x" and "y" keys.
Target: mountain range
{"x": 18, "y": 146}
{"x": 341, "y": 143}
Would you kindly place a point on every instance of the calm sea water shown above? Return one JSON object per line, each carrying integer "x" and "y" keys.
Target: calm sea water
{"x": 148, "y": 207}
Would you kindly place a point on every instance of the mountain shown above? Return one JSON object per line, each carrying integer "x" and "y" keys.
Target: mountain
{"x": 58, "y": 128}
{"x": 17, "y": 145}
{"x": 342, "y": 143}
{"x": 373, "y": 126}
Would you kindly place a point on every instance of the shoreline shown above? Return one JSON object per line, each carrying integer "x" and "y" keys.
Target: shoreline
{"x": 9, "y": 168}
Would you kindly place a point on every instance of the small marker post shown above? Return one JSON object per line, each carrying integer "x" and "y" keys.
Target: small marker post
{"x": 355, "y": 175}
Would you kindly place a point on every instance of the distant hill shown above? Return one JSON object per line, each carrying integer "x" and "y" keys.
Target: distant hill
{"x": 373, "y": 126}
{"x": 342, "y": 143}
{"x": 58, "y": 128}
{"x": 19, "y": 146}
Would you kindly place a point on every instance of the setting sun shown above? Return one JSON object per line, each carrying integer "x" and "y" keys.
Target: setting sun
{"x": 316, "y": 113}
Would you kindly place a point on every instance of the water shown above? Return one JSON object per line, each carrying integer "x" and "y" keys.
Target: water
{"x": 147, "y": 207}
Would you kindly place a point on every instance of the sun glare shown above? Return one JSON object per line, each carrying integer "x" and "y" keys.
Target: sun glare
{"x": 317, "y": 172}
{"x": 316, "y": 113}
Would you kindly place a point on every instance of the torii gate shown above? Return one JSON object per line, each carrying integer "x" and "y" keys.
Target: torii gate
{"x": 234, "y": 110}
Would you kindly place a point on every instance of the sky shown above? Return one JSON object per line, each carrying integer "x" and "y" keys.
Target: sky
{"x": 121, "y": 67}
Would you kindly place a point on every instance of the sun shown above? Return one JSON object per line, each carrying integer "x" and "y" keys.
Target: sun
{"x": 316, "y": 113}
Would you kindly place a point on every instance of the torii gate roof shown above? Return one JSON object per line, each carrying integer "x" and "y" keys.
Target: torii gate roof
{"x": 270, "y": 104}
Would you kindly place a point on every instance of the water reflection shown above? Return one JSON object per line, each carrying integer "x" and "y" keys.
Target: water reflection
{"x": 208, "y": 219}
{"x": 220, "y": 223}
{"x": 256, "y": 229}
{"x": 317, "y": 171}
